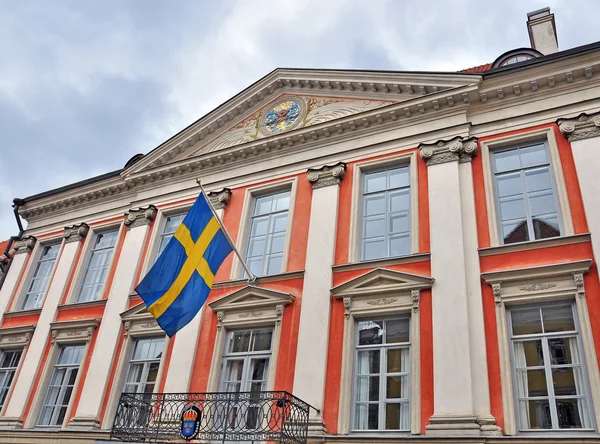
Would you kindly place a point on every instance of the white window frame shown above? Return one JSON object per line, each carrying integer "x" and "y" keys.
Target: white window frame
{"x": 31, "y": 275}
{"x": 501, "y": 143}
{"x": 137, "y": 323}
{"x": 380, "y": 294}
{"x": 84, "y": 260}
{"x": 78, "y": 332}
{"x": 356, "y": 212}
{"x": 561, "y": 283}
{"x": 146, "y": 365}
{"x": 7, "y": 370}
{"x": 547, "y": 365}
{"x": 383, "y": 374}
{"x": 291, "y": 184}
{"x": 11, "y": 339}
{"x": 248, "y": 308}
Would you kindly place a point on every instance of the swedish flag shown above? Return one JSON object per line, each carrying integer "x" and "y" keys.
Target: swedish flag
{"x": 180, "y": 280}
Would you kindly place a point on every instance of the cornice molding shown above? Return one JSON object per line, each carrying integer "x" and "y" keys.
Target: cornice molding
{"x": 220, "y": 198}
{"x": 24, "y": 245}
{"x": 138, "y": 217}
{"x": 326, "y": 175}
{"x": 76, "y": 233}
{"x": 584, "y": 126}
{"x": 457, "y": 149}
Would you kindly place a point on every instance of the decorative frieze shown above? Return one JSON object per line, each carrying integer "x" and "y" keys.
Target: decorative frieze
{"x": 458, "y": 149}
{"x": 24, "y": 245}
{"x": 327, "y": 175}
{"x": 536, "y": 287}
{"x": 219, "y": 199}
{"x": 16, "y": 336}
{"x": 382, "y": 301}
{"x": 76, "y": 233}
{"x": 137, "y": 217}
{"x": 581, "y": 127}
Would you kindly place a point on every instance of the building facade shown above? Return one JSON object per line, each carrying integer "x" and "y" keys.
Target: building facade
{"x": 425, "y": 245}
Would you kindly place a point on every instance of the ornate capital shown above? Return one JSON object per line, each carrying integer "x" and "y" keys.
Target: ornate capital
{"x": 453, "y": 150}
{"x": 76, "y": 233}
{"x": 327, "y": 175}
{"x": 24, "y": 245}
{"x": 137, "y": 217}
{"x": 583, "y": 126}
{"x": 219, "y": 199}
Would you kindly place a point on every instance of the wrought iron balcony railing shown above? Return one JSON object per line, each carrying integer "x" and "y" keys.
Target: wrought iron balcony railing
{"x": 225, "y": 417}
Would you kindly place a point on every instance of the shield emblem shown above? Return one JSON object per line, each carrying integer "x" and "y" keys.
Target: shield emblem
{"x": 190, "y": 422}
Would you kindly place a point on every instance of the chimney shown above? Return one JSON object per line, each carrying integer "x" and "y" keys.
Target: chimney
{"x": 542, "y": 31}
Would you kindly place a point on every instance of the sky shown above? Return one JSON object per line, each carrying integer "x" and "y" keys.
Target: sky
{"x": 86, "y": 85}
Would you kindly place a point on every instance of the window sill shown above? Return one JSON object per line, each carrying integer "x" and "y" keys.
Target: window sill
{"x": 535, "y": 245}
{"x": 418, "y": 257}
{"x": 72, "y": 305}
{"x": 260, "y": 279}
{"x": 17, "y": 313}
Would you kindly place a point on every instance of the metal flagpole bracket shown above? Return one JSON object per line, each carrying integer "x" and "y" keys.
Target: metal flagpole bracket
{"x": 251, "y": 276}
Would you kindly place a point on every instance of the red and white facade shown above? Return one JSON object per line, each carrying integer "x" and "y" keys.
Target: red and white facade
{"x": 426, "y": 245}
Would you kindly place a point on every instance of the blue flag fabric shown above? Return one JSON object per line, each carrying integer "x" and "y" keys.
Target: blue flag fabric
{"x": 180, "y": 280}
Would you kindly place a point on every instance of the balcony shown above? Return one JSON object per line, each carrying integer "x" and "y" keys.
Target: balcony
{"x": 242, "y": 416}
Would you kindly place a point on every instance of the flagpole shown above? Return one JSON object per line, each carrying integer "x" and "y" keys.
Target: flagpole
{"x": 251, "y": 276}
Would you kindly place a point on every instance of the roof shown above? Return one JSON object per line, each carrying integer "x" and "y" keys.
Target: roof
{"x": 479, "y": 68}
{"x": 3, "y": 245}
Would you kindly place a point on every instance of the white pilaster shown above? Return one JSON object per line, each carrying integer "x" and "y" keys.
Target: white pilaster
{"x": 479, "y": 370}
{"x": 22, "y": 249}
{"x": 453, "y": 381}
{"x": 584, "y": 135}
{"x": 13, "y": 416}
{"x": 94, "y": 386}
{"x": 186, "y": 340}
{"x": 313, "y": 332}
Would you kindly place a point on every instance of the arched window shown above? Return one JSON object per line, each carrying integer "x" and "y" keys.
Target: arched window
{"x": 516, "y": 56}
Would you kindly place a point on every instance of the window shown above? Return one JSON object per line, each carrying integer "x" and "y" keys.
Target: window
{"x": 40, "y": 278}
{"x": 144, "y": 365}
{"x": 550, "y": 384}
{"x": 526, "y": 194}
{"x": 97, "y": 267}
{"x": 246, "y": 361}
{"x": 386, "y": 213}
{"x": 60, "y": 389}
{"x": 8, "y": 366}
{"x": 268, "y": 226}
{"x": 516, "y": 59}
{"x": 381, "y": 383}
{"x": 171, "y": 224}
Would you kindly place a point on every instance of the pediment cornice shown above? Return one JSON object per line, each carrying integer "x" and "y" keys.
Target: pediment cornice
{"x": 381, "y": 281}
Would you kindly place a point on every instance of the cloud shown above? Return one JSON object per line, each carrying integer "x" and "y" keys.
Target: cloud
{"x": 85, "y": 85}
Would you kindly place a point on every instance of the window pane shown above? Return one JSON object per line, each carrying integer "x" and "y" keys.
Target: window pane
{"x": 526, "y": 321}
{"x": 397, "y": 331}
{"x": 399, "y": 223}
{"x": 374, "y": 205}
{"x": 513, "y": 208}
{"x": 558, "y": 319}
{"x": 367, "y": 416}
{"x": 370, "y": 333}
{"x": 515, "y": 231}
{"x": 277, "y": 243}
{"x": 397, "y": 387}
{"x": 535, "y": 414}
{"x": 529, "y": 354}
{"x": 367, "y": 388}
{"x": 399, "y": 200}
{"x": 374, "y": 248}
{"x": 563, "y": 351}
{"x": 567, "y": 381}
{"x": 135, "y": 373}
{"x": 240, "y": 342}
{"x": 570, "y": 413}
{"x": 280, "y": 223}
{"x": 257, "y": 246}
{"x": 399, "y": 177}
{"x": 392, "y": 416}
{"x": 258, "y": 369}
{"x": 397, "y": 360}
{"x": 533, "y": 155}
{"x": 374, "y": 226}
{"x": 234, "y": 370}
{"x": 368, "y": 362}
{"x": 509, "y": 184}
{"x": 506, "y": 160}
{"x": 274, "y": 265}
{"x": 538, "y": 180}
{"x": 542, "y": 204}
{"x": 262, "y": 340}
{"x": 152, "y": 371}
{"x": 263, "y": 205}
{"x": 531, "y": 383}
{"x": 260, "y": 226}
{"x": 546, "y": 227}
{"x": 282, "y": 201}
{"x": 399, "y": 245}
{"x": 375, "y": 181}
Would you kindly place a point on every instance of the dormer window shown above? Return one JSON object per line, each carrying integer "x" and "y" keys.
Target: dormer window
{"x": 516, "y": 56}
{"x": 516, "y": 59}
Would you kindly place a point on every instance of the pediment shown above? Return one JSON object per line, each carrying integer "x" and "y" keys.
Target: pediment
{"x": 322, "y": 96}
{"x": 136, "y": 312}
{"x": 380, "y": 281}
{"x": 251, "y": 297}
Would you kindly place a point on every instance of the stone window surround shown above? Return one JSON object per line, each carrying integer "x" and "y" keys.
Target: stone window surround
{"x": 544, "y": 134}
{"x": 364, "y": 298}
{"x": 15, "y": 338}
{"x": 87, "y": 246}
{"x": 138, "y": 323}
{"x": 249, "y": 307}
{"x": 361, "y": 167}
{"x": 243, "y": 232}
{"x": 34, "y": 256}
{"x": 550, "y": 283}
{"x": 63, "y": 333}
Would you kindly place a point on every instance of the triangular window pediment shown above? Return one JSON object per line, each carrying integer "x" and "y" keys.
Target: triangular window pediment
{"x": 381, "y": 280}
{"x": 251, "y": 297}
{"x": 136, "y": 312}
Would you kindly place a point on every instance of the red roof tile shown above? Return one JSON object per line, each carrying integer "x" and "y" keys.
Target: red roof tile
{"x": 3, "y": 245}
{"x": 480, "y": 68}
